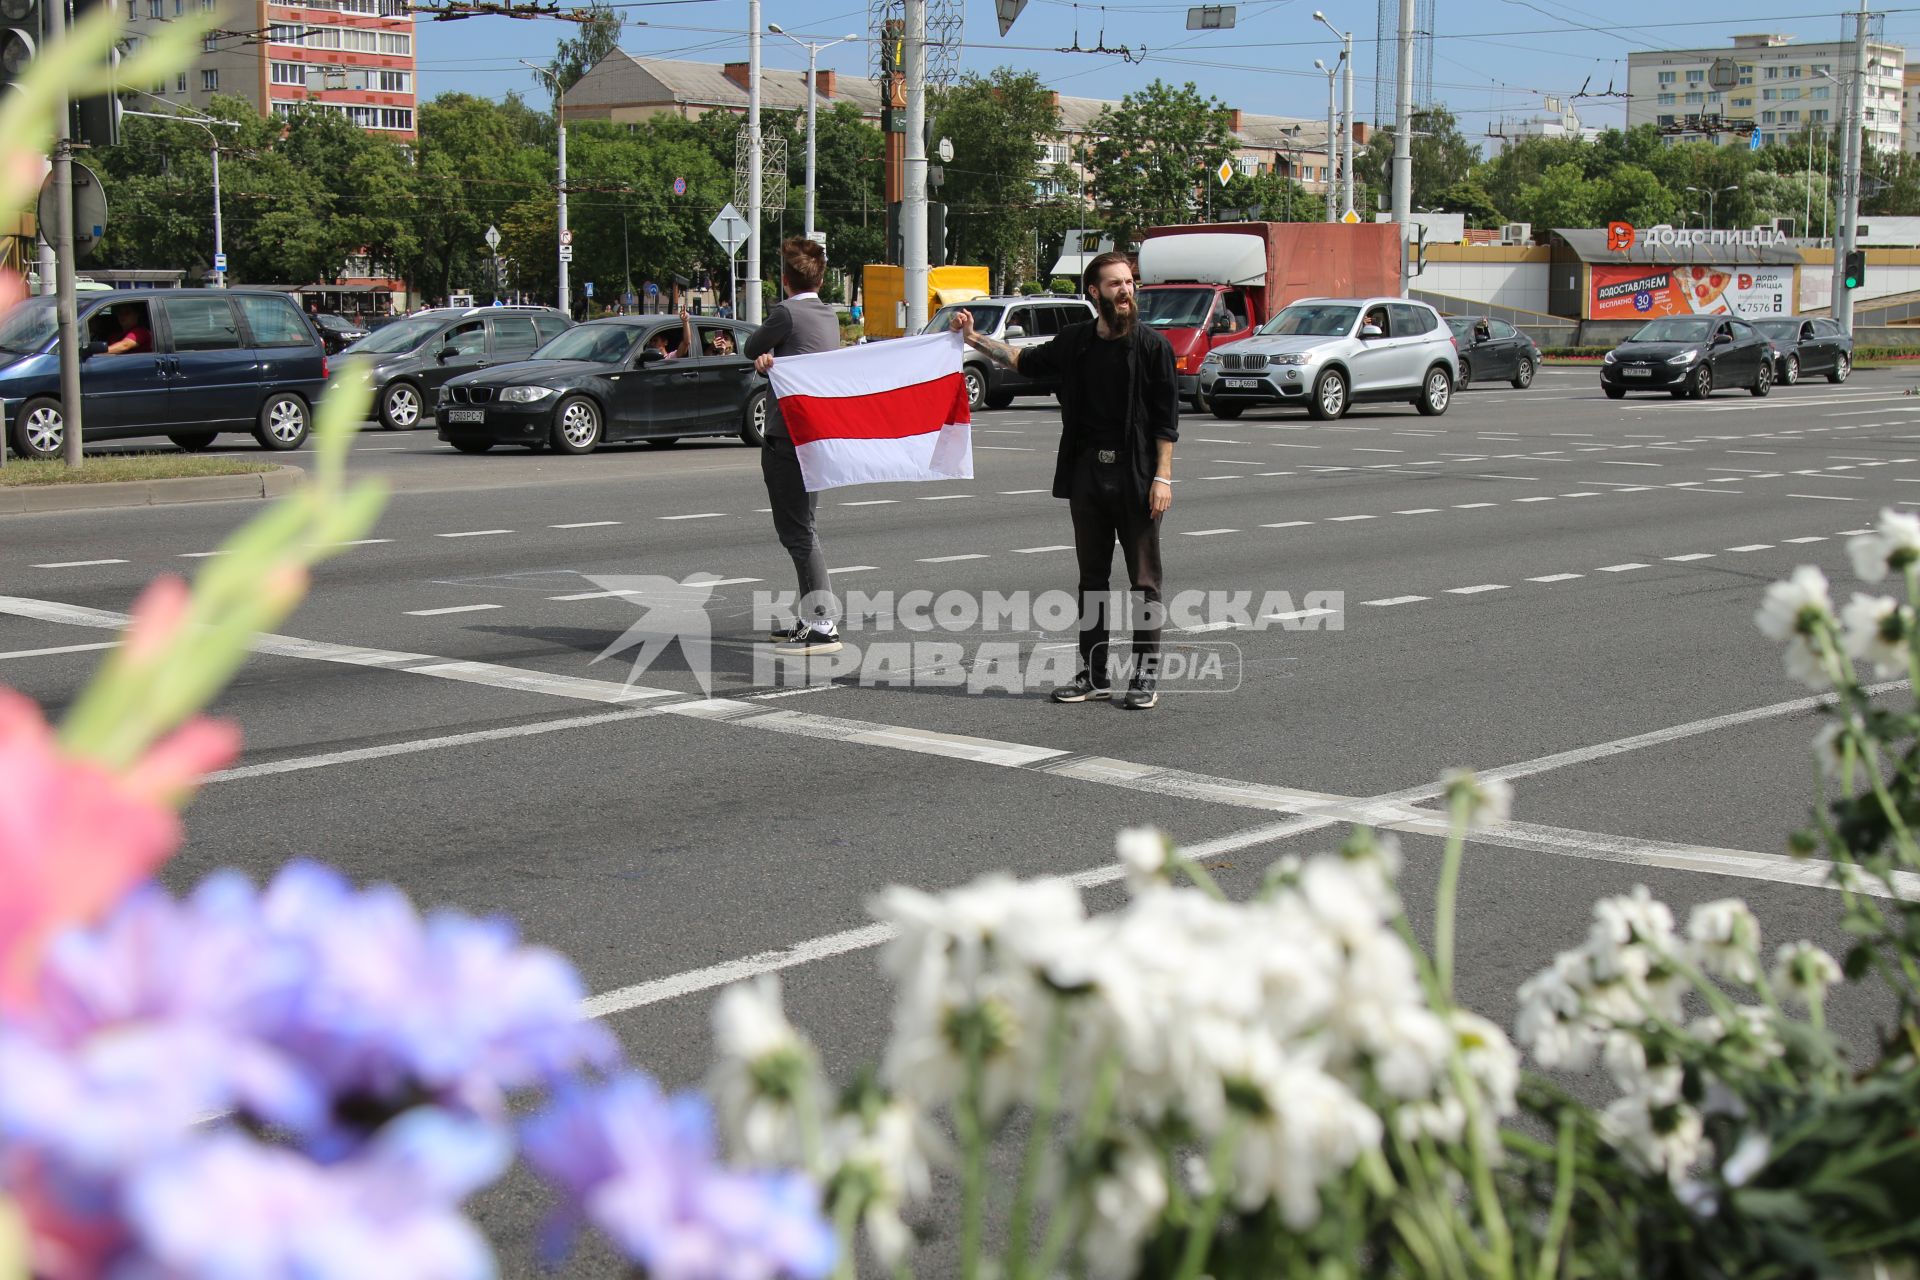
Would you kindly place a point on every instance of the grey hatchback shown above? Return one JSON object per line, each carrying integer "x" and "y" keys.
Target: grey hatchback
{"x": 182, "y": 363}
{"x": 409, "y": 360}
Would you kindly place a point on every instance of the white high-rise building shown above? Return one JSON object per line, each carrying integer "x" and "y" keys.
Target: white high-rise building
{"x": 1765, "y": 84}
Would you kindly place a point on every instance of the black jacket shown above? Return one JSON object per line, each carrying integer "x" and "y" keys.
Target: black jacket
{"x": 1153, "y": 408}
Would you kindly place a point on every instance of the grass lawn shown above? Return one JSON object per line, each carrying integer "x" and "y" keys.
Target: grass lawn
{"x": 144, "y": 466}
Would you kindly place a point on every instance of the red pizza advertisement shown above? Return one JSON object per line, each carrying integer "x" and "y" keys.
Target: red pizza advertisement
{"x": 1627, "y": 291}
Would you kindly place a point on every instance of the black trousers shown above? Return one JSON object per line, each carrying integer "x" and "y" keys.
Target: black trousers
{"x": 793, "y": 514}
{"x": 1105, "y": 511}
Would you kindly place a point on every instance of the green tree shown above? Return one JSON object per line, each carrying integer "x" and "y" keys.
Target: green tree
{"x": 1468, "y": 197}
{"x": 1563, "y": 197}
{"x": 473, "y": 160}
{"x": 1269, "y": 197}
{"x": 997, "y": 124}
{"x": 599, "y": 36}
{"x": 1441, "y": 157}
{"x": 1152, "y": 153}
{"x": 1633, "y": 193}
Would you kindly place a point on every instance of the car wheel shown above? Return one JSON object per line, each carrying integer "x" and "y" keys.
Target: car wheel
{"x": 976, "y": 379}
{"x": 193, "y": 441}
{"x": 1437, "y": 394}
{"x": 284, "y": 422}
{"x": 1227, "y": 411}
{"x": 576, "y": 425}
{"x": 1329, "y": 396}
{"x": 1466, "y": 376}
{"x": 1763, "y": 379}
{"x": 1700, "y": 385}
{"x": 1523, "y": 374}
{"x": 1614, "y": 393}
{"x": 472, "y": 446}
{"x": 1841, "y": 368}
{"x": 1790, "y": 371}
{"x": 400, "y": 407}
{"x": 753, "y": 423}
{"x": 999, "y": 399}
{"x": 41, "y": 429}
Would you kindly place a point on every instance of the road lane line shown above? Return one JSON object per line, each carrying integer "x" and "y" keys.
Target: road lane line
{"x": 452, "y": 608}
{"x": 65, "y": 648}
{"x": 474, "y": 533}
{"x": 75, "y": 564}
{"x": 585, "y": 524}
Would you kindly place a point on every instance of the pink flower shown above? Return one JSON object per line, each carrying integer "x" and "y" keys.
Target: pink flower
{"x": 74, "y": 837}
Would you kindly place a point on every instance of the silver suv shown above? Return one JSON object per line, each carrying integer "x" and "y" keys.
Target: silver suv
{"x": 1018, "y": 321}
{"x": 1328, "y": 353}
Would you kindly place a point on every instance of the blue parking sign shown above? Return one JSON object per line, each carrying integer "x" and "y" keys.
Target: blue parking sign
{"x": 589, "y": 288}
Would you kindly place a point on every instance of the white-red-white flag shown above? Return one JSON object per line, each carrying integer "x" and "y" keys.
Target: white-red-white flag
{"x": 894, "y": 410}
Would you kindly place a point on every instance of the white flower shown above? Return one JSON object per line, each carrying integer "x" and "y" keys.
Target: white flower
{"x": 1752, "y": 1034}
{"x": 1893, "y": 545}
{"x": 1797, "y": 612}
{"x": 1552, "y": 1022}
{"x": 1748, "y": 1158}
{"x": 1876, "y": 630}
{"x": 886, "y": 1151}
{"x": 1726, "y": 940}
{"x": 1666, "y": 1138}
{"x": 1128, "y": 1198}
{"x": 1491, "y": 1061}
{"x": 1802, "y": 972}
{"x": 1626, "y": 1058}
{"x": 1837, "y": 745}
{"x": 764, "y": 1079}
{"x": 1145, "y": 853}
{"x": 1489, "y": 799}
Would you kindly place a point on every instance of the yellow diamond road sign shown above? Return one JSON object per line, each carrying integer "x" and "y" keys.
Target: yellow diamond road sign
{"x": 1225, "y": 171}
{"x": 1349, "y": 217}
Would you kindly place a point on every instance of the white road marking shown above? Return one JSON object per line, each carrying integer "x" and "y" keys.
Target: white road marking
{"x": 1298, "y": 613}
{"x": 1485, "y": 586}
{"x": 1825, "y": 497}
{"x": 854, "y": 568}
{"x": 1007, "y": 448}
{"x": 1391, "y": 600}
{"x": 1011, "y": 493}
{"x": 1542, "y": 499}
{"x": 361, "y": 542}
{"x": 697, "y": 515}
{"x": 1472, "y": 506}
{"x": 950, "y": 559}
{"x": 1584, "y": 493}
{"x": 1345, "y": 518}
{"x": 1620, "y": 568}
{"x": 455, "y": 608}
{"x": 474, "y": 533}
{"x": 65, "y": 648}
{"x": 585, "y": 524}
{"x": 1417, "y": 511}
{"x": 1286, "y": 524}
{"x": 1273, "y": 473}
{"x": 1031, "y": 551}
{"x": 1557, "y": 577}
{"x": 1207, "y": 533}
{"x": 1810, "y": 538}
{"x": 945, "y": 497}
{"x": 598, "y": 595}
{"x": 200, "y": 555}
{"x": 871, "y": 502}
{"x": 1754, "y": 546}
{"x": 75, "y": 564}
{"x": 1691, "y": 555}
{"x": 1361, "y": 448}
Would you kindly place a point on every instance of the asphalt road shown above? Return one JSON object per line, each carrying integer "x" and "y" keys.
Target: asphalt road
{"x": 1541, "y": 581}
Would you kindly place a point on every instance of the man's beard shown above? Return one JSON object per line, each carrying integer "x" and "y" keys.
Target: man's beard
{"x": 1119, "y": 323}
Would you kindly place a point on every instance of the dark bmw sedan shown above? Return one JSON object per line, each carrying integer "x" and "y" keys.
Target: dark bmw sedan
{"x": 1690, "y": 356}
{"x": 1803, "y": 348}
{"x": 624, "y": 378}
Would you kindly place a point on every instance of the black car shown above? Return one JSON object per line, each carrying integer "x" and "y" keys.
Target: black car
{"x": 1493, "y": 351}
{"x": 1804, "y": 347}
{"x": 194, "y": 363}
{"x": 1690, "y": 356}
{"x": 610, "y": 380}
{"x": 409, "y": 359}
{"x": 337, "y": 332}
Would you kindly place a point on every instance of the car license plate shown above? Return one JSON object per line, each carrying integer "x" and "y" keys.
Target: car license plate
{"x": 466, "y": 415}
{"x": 1636, "y": 373}
{"x": 1240, "y": 384}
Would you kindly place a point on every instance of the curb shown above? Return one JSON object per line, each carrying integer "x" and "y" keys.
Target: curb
{"x": 39, "y": 499}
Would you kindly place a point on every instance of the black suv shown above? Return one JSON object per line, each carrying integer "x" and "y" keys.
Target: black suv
{"x": 191, "y": 363}
{"x": 410, "y": 359}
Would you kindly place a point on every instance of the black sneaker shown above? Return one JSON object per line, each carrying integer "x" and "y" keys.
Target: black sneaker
{"x": 1083, "y": 689}
{"x": 781, "y": 635}
{"x": 807, "y": 641}
{"x": 1142, "y": 695}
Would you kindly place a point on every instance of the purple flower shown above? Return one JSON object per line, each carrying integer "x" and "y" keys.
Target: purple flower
{"x": 228, "y": 1208}
{"x": 642, "y": 1168}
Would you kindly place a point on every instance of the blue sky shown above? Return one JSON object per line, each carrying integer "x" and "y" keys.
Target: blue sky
{"x": 1492, "y": 58}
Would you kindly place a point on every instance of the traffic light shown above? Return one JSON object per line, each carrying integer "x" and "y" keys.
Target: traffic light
{"x": 96, "y": 120}
{"x": 20, "y": 35}
{"x": 1855, "y": 274}
{"x": 936, "y": 233}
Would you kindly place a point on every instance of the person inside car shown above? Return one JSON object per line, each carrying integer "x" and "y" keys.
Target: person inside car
{"x": 719, "y": 343}
{"x": 1376, "y": 318}
{"x": 135, "y": 337}
{"x": 663, "y": 340}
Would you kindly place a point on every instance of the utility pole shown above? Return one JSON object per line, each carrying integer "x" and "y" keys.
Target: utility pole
{"x": 1346, "y": 121}
{"x": 813, "y": 48}
{"x": 64, "y": 309}
{"x": 913, "y": 204}
{"x": 209, "y": 124}
{"x": 1854, "y": 156}
{"x": 1403, "y": 135}
{"x": 748, "y": 308}
{"x": 564, "y": 248}
{"x": 1333, "y": 147}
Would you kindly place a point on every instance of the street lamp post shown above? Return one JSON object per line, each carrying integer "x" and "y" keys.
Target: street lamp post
{"x": 1327, "y": 172}
{"x": 219, "y": 248}
{"x": 1711, "y": 193}
{"x": 1346, "y": 139}
{"x": 560, "y": 119}
{"x": 813, "y": 48}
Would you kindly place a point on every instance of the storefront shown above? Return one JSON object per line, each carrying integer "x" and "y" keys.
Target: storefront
{"x": 1612, "y": 279}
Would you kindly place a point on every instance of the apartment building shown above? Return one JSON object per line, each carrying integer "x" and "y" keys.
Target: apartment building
{"x": 354, "y": 57}
{"x": 1910, "y": 112}
{"x": 1766, "y": 84}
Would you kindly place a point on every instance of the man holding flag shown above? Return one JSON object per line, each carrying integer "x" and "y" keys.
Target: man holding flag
{"x": 1121, "y": 417}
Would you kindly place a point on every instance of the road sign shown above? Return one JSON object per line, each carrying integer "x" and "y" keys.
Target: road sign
{"x": 1225, "y": 171}
{"x": 819, "y": 237}
{"x": 1212, "y": 17}
{"x": 566, "y": 237}
{"x": 89, "y": 210}
{"x": 1753, "y": 141}
{"x": 493, "y": 236}
{"x": 1007, "y": 11}
{"x": 729, "y": 228}
{"x": 566, "y": 253}
{"x": 653, "y": 290}
{"x": 945, "y": 151}
{"x": 1349, "y": 217}
{"x": 589, "y": 288}
{"x": 1723, "y": 74}
{"x": 679, "y": 186}
{"x": 220, "y": 262}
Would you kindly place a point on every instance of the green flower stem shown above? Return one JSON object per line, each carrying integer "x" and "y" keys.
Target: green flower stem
{"x": 973, "y": 1140}
{"x": 1219, "y": 1170}
{"x": 1562, "y": 1210}
{"x": 1064, "y": 1227}
{"x": 1443, "y": 899}
{"x": 1492, "y": 1214}
{"x": 1046, "y": 1104}
{"x": 806, "y": 1110}
{"x": 846, "y": 1212}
